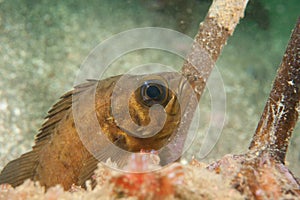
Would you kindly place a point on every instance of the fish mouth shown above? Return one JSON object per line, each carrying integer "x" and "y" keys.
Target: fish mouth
{"x": 143, "y": 132}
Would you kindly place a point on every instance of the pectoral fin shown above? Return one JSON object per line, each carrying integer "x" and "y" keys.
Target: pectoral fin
{"x": 87, "y": 172}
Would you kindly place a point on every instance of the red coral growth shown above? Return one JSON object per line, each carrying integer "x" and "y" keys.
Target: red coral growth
{"x": 5, "y": 187}
{"x": 147, "y": 185}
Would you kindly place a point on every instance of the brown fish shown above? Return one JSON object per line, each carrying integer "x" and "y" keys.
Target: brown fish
{"x": 60, "y": 157}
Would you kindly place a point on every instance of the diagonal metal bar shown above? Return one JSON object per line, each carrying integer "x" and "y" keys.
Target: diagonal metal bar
{"x": 280, "y": 114}
{"x": 219, "y": 24}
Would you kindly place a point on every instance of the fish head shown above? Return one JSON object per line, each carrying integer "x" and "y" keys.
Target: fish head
{"x": 140, "y": 112}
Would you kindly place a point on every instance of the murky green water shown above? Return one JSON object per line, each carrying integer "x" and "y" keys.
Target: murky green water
{"x": 43, "y": 43}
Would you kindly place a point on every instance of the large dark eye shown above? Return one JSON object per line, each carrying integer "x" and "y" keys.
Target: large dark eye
{"x": 153, "y": 92}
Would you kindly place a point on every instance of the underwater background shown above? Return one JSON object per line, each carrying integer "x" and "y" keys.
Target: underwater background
{"x": 43, "y": 43}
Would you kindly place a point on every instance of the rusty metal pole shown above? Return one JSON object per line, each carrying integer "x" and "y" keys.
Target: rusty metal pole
{"x": 219, "y": 24}
{"x": 280, "y": 114}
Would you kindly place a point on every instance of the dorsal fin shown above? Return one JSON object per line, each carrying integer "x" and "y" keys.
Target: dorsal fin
{"x": 59, "y": 109}
{"x": 20, "y": 169}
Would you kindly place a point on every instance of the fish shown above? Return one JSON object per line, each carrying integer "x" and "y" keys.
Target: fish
{"x": 59, "y": 155}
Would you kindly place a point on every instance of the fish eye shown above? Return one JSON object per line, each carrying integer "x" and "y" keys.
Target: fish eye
{"x": 153, "y": 92}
